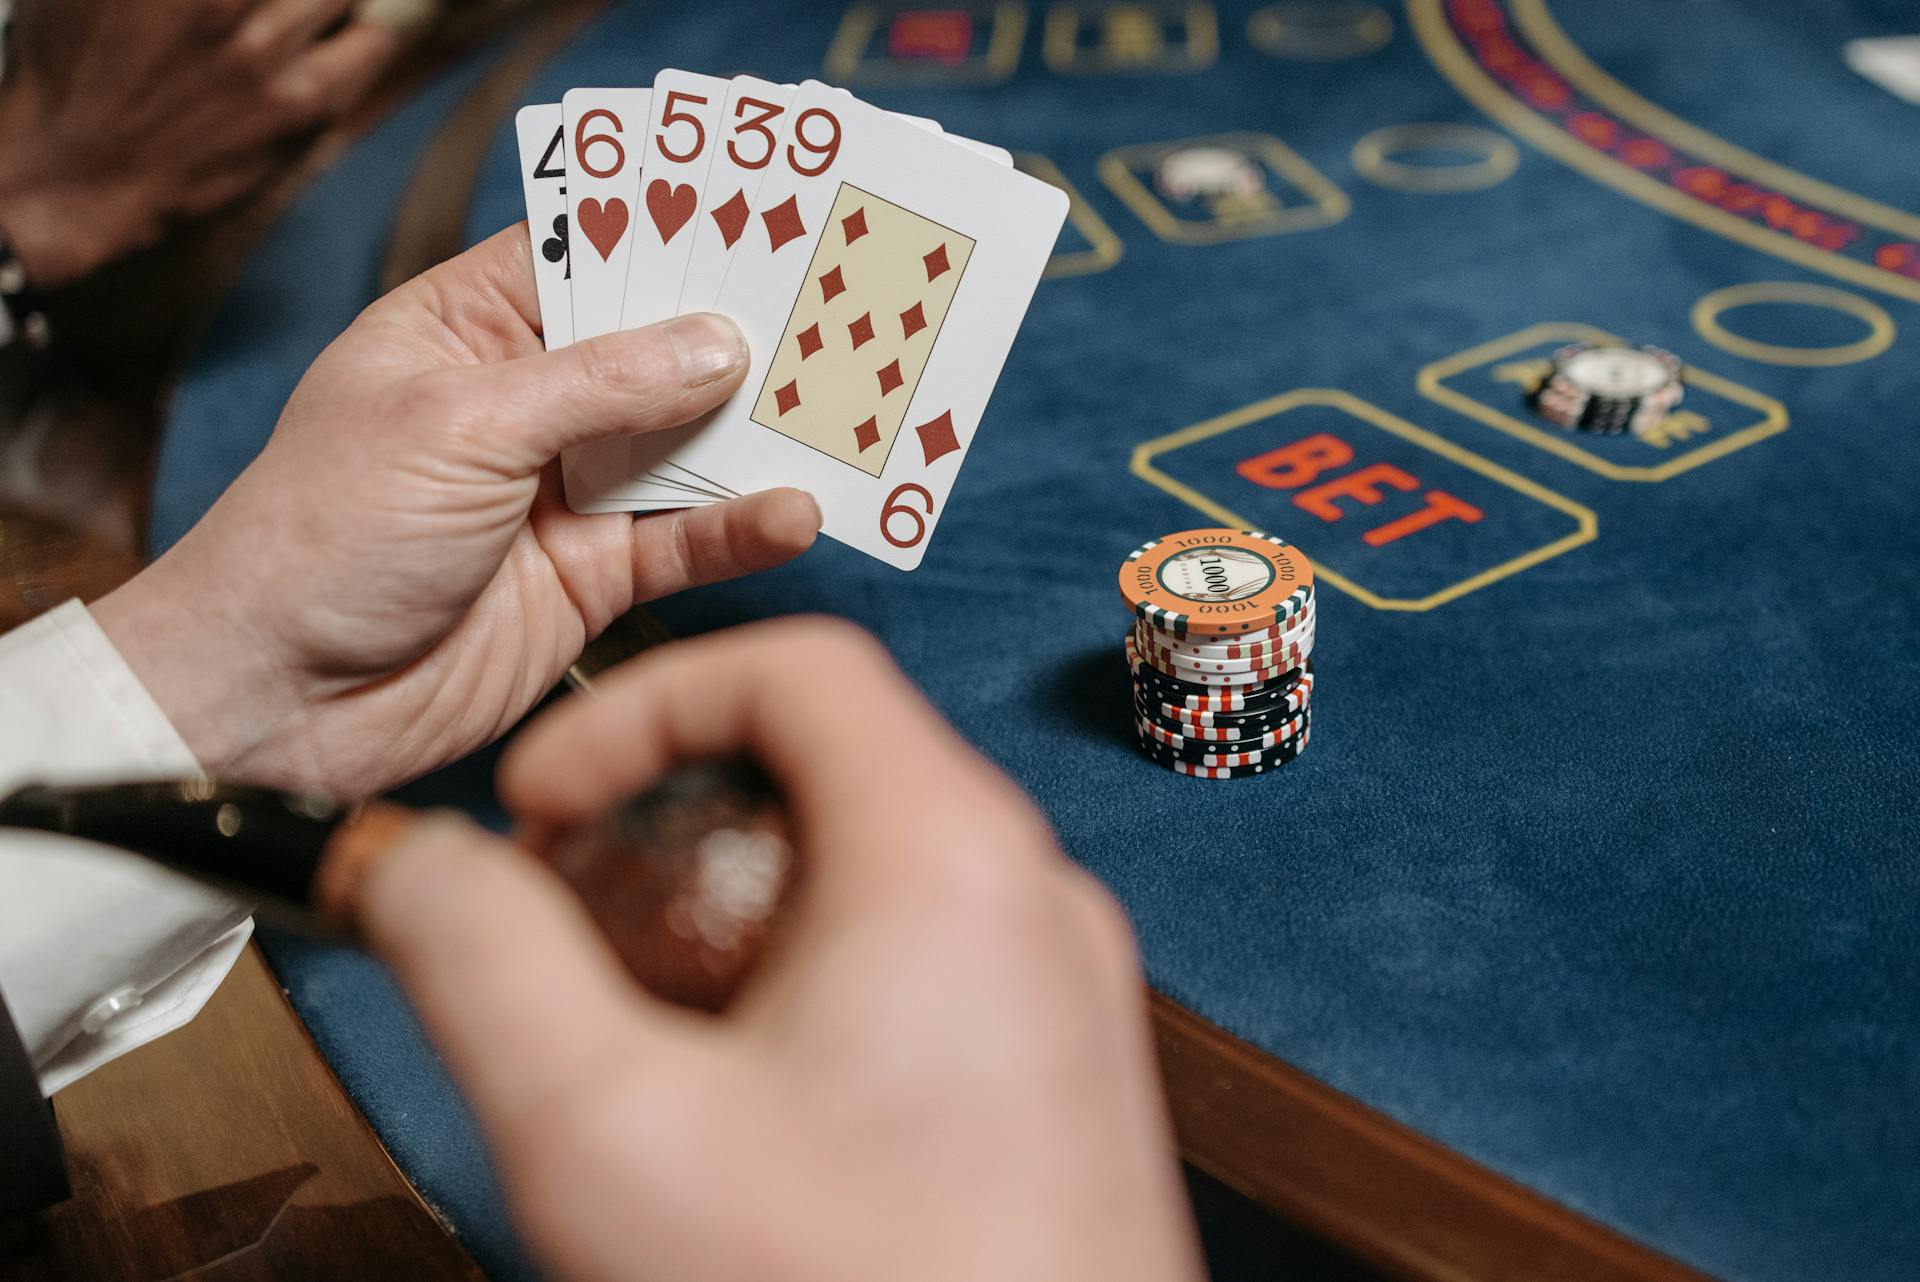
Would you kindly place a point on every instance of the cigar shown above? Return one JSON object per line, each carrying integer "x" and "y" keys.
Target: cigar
{"x": 686, "y": 879}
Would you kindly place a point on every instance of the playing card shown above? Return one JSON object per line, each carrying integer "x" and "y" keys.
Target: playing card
{"x": 679, "y": 144}
{"x": 1892, "y": 62}
{"x": 605, "y": 130}
{"x": 684, "y": 133}
{"x": 600, "y": 133}
{"x": 543, "y": 177}
{"x": 749, "y": 133}
{"x": 880, "y": 278}
{"x": 998, "y": 155}
{"x": 591, "y": 473}
{"x": 744, "y": 136}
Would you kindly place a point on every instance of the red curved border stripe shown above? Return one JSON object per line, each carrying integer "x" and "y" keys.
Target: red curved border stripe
{"x": 1598, "y": 126}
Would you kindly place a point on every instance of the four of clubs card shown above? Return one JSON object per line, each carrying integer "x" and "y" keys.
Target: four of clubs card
{"x": 878, "y": 266}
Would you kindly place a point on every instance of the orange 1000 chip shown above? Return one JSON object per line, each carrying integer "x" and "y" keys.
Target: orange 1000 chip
{"x": 1217, "y": 582}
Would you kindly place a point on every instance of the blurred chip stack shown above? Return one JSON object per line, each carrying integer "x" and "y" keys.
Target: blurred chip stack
{"x": 1609, "y": 389}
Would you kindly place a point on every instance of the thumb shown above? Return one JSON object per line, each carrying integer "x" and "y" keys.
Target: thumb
{"x": 521, "y": 992}
{"x": 529, "y": 409}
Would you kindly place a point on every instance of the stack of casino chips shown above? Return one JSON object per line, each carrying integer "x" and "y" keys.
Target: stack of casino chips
{"x": 1220, "y": 651}
{"x": 1609, "y": 389}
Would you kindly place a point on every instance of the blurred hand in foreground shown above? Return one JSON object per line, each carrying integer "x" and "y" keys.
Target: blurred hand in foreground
{"x": 942, "y": 1070}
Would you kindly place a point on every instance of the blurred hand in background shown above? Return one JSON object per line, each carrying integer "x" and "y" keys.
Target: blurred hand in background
{"x": 119, "y": 118}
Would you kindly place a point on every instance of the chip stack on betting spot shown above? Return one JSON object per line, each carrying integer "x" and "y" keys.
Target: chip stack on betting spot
{"x": 1219, "y": 650}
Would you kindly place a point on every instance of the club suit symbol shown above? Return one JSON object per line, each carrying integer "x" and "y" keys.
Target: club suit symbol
{"x": 554, "y": 247}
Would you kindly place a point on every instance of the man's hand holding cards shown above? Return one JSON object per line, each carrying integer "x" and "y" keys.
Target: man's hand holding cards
{"x": 878, "y": 267}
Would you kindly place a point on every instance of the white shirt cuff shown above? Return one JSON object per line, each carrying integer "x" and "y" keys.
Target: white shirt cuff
{"x": 100, "y": 952}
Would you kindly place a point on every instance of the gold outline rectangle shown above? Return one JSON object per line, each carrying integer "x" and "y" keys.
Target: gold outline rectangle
{"x": 844, "y": 65}
{"x": 1587, "y": 525}
{"x": 1059, "y": 46}
{"x": 1329, "y": 206}
{"x": 1772, "y": 422}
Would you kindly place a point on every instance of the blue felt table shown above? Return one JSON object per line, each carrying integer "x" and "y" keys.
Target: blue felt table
{"x": 1601, "y": 867}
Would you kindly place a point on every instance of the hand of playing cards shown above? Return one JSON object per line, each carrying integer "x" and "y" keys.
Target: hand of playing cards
{"x": 878, "y": 267}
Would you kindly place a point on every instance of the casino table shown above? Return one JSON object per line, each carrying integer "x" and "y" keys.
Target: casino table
{"x": 1582, "y": 942}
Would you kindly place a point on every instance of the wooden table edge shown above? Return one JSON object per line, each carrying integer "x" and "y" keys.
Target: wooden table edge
{"x": 1405, "y": 1203}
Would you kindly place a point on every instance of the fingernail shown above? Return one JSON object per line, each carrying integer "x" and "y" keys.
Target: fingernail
{"x": 709, "y": 347}
{"x": 367, "y": 841}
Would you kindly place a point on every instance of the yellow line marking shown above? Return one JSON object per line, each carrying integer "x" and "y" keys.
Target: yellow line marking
{"x": 1329, "y": 206}
{"x": 1444, "y": 49}
{"x": 1707, "y": 313}
{"x": 1430, "y": 381}
{"x": 1104, "y": 247}
{"x": 1375, "y": 157}
{"x": 1586, "y": 524}
{"x": 1316, "y": 31}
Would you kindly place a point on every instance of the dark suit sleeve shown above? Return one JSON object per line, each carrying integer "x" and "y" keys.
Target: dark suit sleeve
{"x": 33, "y": 1170}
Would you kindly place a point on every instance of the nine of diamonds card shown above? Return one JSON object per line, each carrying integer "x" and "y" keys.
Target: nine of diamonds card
{"x": 879, "y": 268}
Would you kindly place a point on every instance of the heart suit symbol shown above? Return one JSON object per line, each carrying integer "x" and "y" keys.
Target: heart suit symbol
{"x": 603, "y": 225}
{"x": 670, "y": 207}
